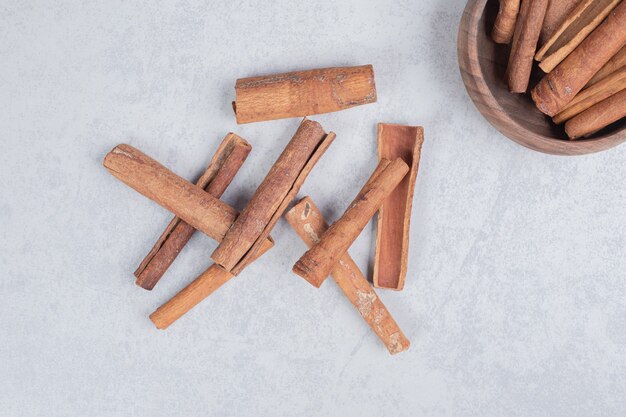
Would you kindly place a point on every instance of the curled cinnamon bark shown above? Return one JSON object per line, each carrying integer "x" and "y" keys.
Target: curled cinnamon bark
{"x": 504, "y": 25}
{"x": 597, "y": 117}
{"x": 616, "y": 63}
{"x": 307, "y": 220}
{"x": 559, "y": 87}
{"x": 557, "y": 12}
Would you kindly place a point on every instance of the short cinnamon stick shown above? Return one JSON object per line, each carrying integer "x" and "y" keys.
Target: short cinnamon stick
{"x": 575, "y": 28}
{"x": 317, "y": 262}
{"x": 616, "y": 63}
{"x": 558, "y": 11}
{"x": 224, "y": 165}
{"x": 303, "y": 93}
{"x": 527, "y": 29}
{"x": 597, "y": 117}
{"x": 560, "y": 86}
{"x": 191, "y": 203}
{"x": 307, "y": 220}
{"x": 394, "y": 216}
{"x": 276, "y": 191}
{"x": 504, "y": 25}
{"x": 590, "y": 96}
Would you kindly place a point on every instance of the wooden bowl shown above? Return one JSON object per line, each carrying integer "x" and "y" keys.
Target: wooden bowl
{"x": 483, "y": 63}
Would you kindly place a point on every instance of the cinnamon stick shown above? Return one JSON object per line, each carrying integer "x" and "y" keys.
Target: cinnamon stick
{"x": 558, "y": 11}
{"x": 527, "y": 29}
{"x": 224, "y": 165}
{"x": 303, "y": 93}
{"x": 616, "y": 63}
{"x": 276, "y": 191}
{"x": 191, "y": 203}
{"x": 574, "y": 29}
{"x": 317, "y": 262}
{"x": 592, "y": 95}
{"x": 504, "y": 25}
{"x": 598, "y": 116}
{"x": 307, "y": 220}
{"x": 560, "y": 86}
{"x": 394, "y": 216}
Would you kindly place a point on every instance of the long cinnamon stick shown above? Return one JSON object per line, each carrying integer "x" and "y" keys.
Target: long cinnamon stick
{"x": 616, "y": 63}
{"x": 394, "y": 216}
{"x": 316, "y": 263}
{"x": 307, "y": 220}
{"x": 558, "y": 11}
{"x": 592, "y": 95}
{"x": 224, "y": 165}
{"x": 581, "y": 22}
{"x": 527, "y": 29}
{"x": 597, "y": 117}
{"x": 504, "y": 25}
{"x": 303, "y": 93}
{"x": 191, "y": 203}
{"x": 273, "y": 195}
{"x": 560, "y": 86}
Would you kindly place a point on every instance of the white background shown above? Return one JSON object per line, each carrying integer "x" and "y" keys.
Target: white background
{"x": 514, "y": 302}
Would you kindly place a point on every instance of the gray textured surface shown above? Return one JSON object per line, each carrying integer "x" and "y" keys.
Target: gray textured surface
{"x": 515, "y": 296}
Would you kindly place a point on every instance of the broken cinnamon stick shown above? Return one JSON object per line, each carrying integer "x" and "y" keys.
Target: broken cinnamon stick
{"x": 560, "y": 86}
{"x": 224, "y": 165}
{"x": 593, "y": 95}
{"x": 191, "y": 203}
{"x": 307, "y": 220}
{"x": 525, "y": 38}
{"x": 616, "y": 63}
{"x": 303, "y": 93}
{"x": 394, "y": 216}
{"x": 276, "y": 191}
{"x": 597, "y": 117}
{"x": 574, "y": 29}
{"x": 558, "y": 11}
{"x": 504, "y": 25}
{"x": 316, "y": 263}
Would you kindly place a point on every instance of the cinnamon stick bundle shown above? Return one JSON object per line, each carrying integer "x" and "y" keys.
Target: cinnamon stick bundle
{"x": 580, "y": 23}
{"x": 317, "y": 262}
{"x": 560, "y": 86}
{"x": 504, "y": 25}
{"x": 224, "y": 165}
{"x": 616, "y": 63}
{"x": 558, "y": 11}
{"x": 191, "y": 203}
{"x": 597, "y": 117}
{"x": 593, "y": 95}
{"x": 527, "y": 29}
{"x": 307, "y": 220}
{"x": 271, "y": 198}
{"x": 303, "y": 93}
{"x": 394, "y": 216}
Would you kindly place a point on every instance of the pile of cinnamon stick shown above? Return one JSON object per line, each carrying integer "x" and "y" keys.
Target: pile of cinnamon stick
{"x": 244, "y": 237}
{"x": 581, "y": 47}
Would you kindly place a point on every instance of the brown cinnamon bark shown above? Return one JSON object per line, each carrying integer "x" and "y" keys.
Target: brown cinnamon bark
{"x": 574, "y": 29}
{"x": 317, "y": 262}
{"x": 593, "y": 95}
{"x": 616, "y": 63}
{"x": 527, "y": 29}
{"x": 273, "y": 195}
{"x": 597, "y": 117}
{"x": 558, "y": 11}
{"x": 307, "y": 220}
{"x": 559, "y": 87}
{"x": 504, "y": 25}
{"x": 303, "y": 93}
{"x": 394, "y": 216}
{"x": 224, "y": 165}
{"x": 191, "y": 203}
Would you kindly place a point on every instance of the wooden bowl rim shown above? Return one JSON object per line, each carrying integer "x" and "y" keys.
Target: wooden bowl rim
{"x": 474, "y": 76}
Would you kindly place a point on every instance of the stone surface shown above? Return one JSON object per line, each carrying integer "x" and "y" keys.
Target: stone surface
{"x": 514, "y": 301}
